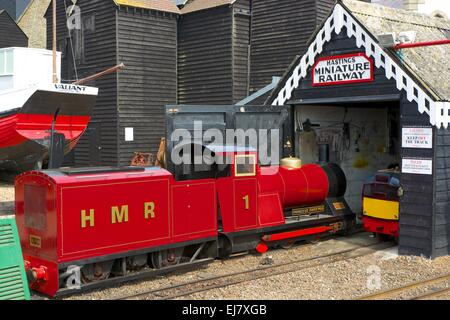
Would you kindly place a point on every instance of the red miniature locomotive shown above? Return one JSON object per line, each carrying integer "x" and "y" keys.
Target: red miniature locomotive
{"x": 88, "y": 227}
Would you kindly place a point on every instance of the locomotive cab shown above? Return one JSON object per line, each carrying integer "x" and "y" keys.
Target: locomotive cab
{"x": 268, "y": 206}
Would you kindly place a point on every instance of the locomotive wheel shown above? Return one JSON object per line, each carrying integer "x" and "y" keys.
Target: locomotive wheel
{"x": 287, "y": 244}
{"x": 224, "y": 248}
{"x": 166, "y": 258}
{"x": 96, "y": 271}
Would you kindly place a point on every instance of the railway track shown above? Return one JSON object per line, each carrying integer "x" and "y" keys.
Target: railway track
{"x": 418, "y": 285}
{"x": 205, "y": 284}
{"x": 433, "y": 294}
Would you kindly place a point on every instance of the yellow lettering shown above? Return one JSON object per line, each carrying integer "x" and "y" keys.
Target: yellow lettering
{"x": 85, "y": 218}
{"x": 119, "y": 215}
{"x": 247, "y": 202}
{"x": 149, "y": 210}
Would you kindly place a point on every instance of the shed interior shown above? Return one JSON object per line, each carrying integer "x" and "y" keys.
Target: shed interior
{"x": 361, "y": 138}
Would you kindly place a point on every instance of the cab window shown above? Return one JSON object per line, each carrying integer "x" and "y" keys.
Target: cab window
{"x": 245, "y": 165}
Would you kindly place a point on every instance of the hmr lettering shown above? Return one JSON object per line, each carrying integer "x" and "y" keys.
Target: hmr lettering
{"x": 118, "y": 214}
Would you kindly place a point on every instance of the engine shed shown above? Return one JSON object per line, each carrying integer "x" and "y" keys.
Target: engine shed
{"x": 358, "y": 102}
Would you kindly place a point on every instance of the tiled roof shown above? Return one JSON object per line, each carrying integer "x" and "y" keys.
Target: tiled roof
{"x": 198, "y": 5}
{"x": 160, "y": 5}
{"x": 430, "y": 65}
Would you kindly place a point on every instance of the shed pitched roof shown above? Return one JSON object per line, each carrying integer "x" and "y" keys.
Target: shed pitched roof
{"x": 160, "y": 5}
{"x": 431, "y": 65}
{"x": 198, "y": 5}
{"x": 423, "y": 72}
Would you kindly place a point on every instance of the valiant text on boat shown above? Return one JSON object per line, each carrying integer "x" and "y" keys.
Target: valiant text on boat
{"x": 29, "y": 103}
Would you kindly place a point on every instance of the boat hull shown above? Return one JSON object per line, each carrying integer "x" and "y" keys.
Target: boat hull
{"x": 25, "y": 133}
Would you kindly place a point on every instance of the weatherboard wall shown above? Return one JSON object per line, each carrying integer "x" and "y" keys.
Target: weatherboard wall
{"x": 417, "y": 205}
{"x": 280, "y": 31}
{"x": 99, "y": 52}
{"x": 205, "y": 57}
{"x": 241, "y": 49}
{"x": 146, "y": 42}
{"x": 147, "y": 45}
{"x": 11, "y": 34}
{"x": 441, "y": 218}
{"x": 213, "y": 51}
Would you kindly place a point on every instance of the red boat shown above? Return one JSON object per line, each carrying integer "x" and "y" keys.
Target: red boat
{"x": 26, "y": 117}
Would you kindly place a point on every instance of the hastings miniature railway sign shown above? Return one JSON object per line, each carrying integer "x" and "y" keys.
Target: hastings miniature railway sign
{"x": 349, "y": 68}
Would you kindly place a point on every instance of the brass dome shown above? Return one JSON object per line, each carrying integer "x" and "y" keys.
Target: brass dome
{"x": 291, "y": 162}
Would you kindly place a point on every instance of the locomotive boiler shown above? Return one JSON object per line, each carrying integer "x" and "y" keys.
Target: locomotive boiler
{"x": 89, "y": 227}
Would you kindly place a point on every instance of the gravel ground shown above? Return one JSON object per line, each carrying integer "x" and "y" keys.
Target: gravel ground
{"x": 340, "y": 280}
{"x": 6, "y": 191}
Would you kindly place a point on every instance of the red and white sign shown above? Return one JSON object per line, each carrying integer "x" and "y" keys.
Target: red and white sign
{"x": 343, "y": 69}
{"x": 417, "y": 166}
{"x": 421, "y": 138}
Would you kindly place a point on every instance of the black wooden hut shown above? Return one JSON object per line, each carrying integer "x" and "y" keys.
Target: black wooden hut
{"x": 213, "y": 51}
{"x": 11, "y": 34}
{"x": 280, "y": 30}
{"x": 198, "y": 53}
{"x": 129, "y": 114}
{"x": 396, "y": 110}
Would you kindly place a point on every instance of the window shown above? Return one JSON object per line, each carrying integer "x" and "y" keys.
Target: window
{"x": 245, "y": 165}
{"x": 6, "y": 63}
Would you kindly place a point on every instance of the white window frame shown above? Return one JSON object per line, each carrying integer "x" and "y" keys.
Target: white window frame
{"x": 6, "y": 56}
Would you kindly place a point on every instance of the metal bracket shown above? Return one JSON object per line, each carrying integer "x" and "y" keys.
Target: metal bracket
{"x": 259, "y": 93}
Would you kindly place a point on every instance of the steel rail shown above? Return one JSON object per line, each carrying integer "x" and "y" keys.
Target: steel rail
{"x": 214, "y": 282}
{"x": 408, "y": 287}
{"x": 432, "y": 294}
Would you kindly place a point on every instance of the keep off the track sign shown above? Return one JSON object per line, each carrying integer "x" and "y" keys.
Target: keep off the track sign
{"x": 420, "y": 138}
